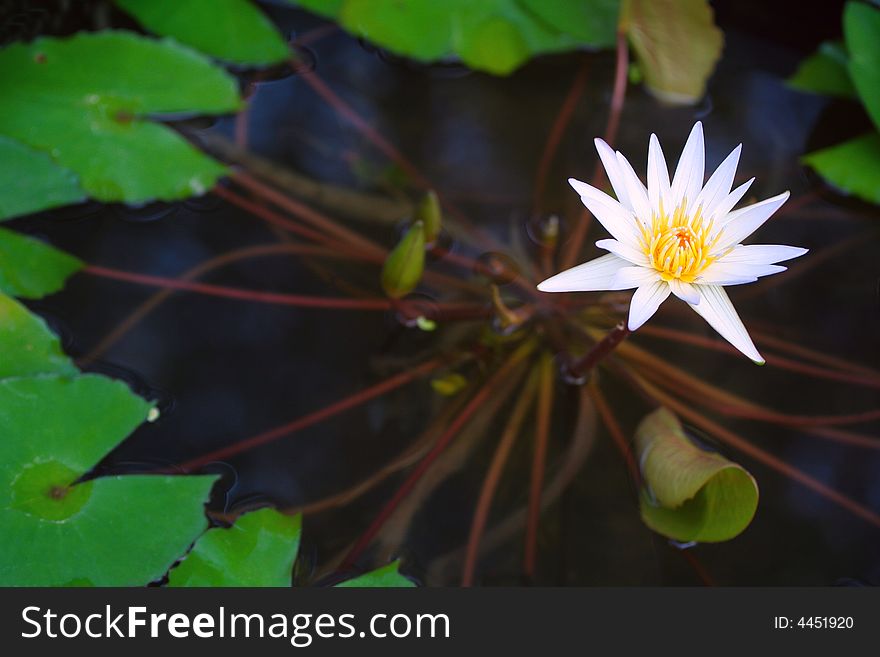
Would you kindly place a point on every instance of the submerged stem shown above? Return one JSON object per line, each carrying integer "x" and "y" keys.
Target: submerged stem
{"x": 467, "y": 413}
{"x": 493, "y": 476}
{"x": 542, "y": 438}
{"x": 613, "y": 428}
{"x": 573, "y": 246}
{"x": 410, "y": 308}
{"x": 315, "y": 417}
{"x": 578, "y": 369}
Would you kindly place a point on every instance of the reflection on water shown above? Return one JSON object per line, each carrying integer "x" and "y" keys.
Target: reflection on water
{"x": 235, "y": 369}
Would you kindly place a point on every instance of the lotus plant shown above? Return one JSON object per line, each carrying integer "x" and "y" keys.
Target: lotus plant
{"x": 680, "y": 237}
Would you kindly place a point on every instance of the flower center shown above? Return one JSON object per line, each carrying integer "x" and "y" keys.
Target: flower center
{"x": 679, "y": 245}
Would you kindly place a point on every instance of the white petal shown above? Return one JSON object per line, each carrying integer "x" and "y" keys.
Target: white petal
{"x": 627, "y": 278}
{"x": 588, "y": 277}
{"x": 635, "y": 190}
{"x": 612, "y": 170}
{"x": 659, "y": 190}
{"x": 718, "y": 186}
{"x": 684, "y": 291}
{"x": 688, "y": 180}
{"x": 645, "y": 302}
{"x": 746, "y": 221}
{"x": 715, "y": 308}
{"x": 761, "y": 254}
{"x": 635, "y": 256}
{"x": 736, "y": 273}
{"x": 720, "y": 213}
{"x": 616, "y": 218}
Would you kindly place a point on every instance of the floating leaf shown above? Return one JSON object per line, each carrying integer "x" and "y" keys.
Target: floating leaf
{"x": 404, "y": 265}
{"x": 86, "y": 100}
{"x": 30, "y": 181}
{"x": 496, "y": 36}
{"x": 31, "y": 269}
{"x": 690, "y": 494}
{"x": 232, "y": 30}
{"x": 58, "y": 530}
{"x": 258, "y": 550}
{"x": 386, "y": 577}
{"x": 594, "y": 22}
{"x": 677, "y": 45}
{"x": 27, "y": 346}
{"x": 861, "y": 28}
{"x": 825, "y": 72}
{"x": 853, "y": 167}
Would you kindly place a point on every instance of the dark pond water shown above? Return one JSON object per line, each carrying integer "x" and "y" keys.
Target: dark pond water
{"x": 226, "y": 370}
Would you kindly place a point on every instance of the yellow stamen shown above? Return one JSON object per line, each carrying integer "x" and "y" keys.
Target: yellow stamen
{"x": 679, "y": 245}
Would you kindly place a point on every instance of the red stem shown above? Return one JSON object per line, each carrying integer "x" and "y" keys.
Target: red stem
{"x": 313, "y": 418}
{"x": 413, "y": 309}
{"x": 388, "y": 149}
{"x": 613, "y": 428}
{"x": 772, "y": 359}
{"x": 474, "y": 405}
{"x": 539, "y": 461}
{"x": 307, "y": 214}
{"x": 340, "y": 303}
{"x": 603, "y": 348}
{"x": 573, "y": 246}
{"x": 272, "y": 217}
{"x": 557, "y": 131}
{"x": 697, "y": 567}
{"x": 493, "y": 477}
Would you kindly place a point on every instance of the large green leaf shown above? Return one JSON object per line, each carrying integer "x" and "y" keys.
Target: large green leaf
{"x": 232, "y": 30}
{"x": 496, "y": 36}
{"x": 30, "y": 181}
{"x": 861, "y": 28}
{"x": 258, "y": 550}
{"x": 825, "y": 72}
{"x": 27, "y": 346}
{"x": 386, "y": 577}
{"x": 853, "y": 167}
{"x": 593, "y": 22}
{"x": 677, "y": 45}
{"x": 86, "y": 100}
{"x": 58, "y": 530}
{"x": 690, "y": 494}
{"x": 31, "y": 269}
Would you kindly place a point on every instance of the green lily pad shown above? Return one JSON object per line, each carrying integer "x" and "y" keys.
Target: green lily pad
{"x": 258, "y": 550}
{"x": 496, "y": 36}
{"x": 58, "y": 530}
{"x": 232, "y": 30}
{"x": 861, "y": 29}
{"x": 405, "y": 263}
{"x": 27, "y": 346}
{"x": 386, "y": 577}
{"x": 825, "y": 72}
{"x": 593, "y": 22}
{"x": 690, "y": 494}
{"x": 87, "y": 100}
{"x": 30, "y": 181}
{"x": 31, "y": 269}
{"x": 677, "y": 45}
{"x": 853, "y": 167}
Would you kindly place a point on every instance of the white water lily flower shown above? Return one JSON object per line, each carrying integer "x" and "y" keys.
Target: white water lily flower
{"x": 681, "y": 237}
